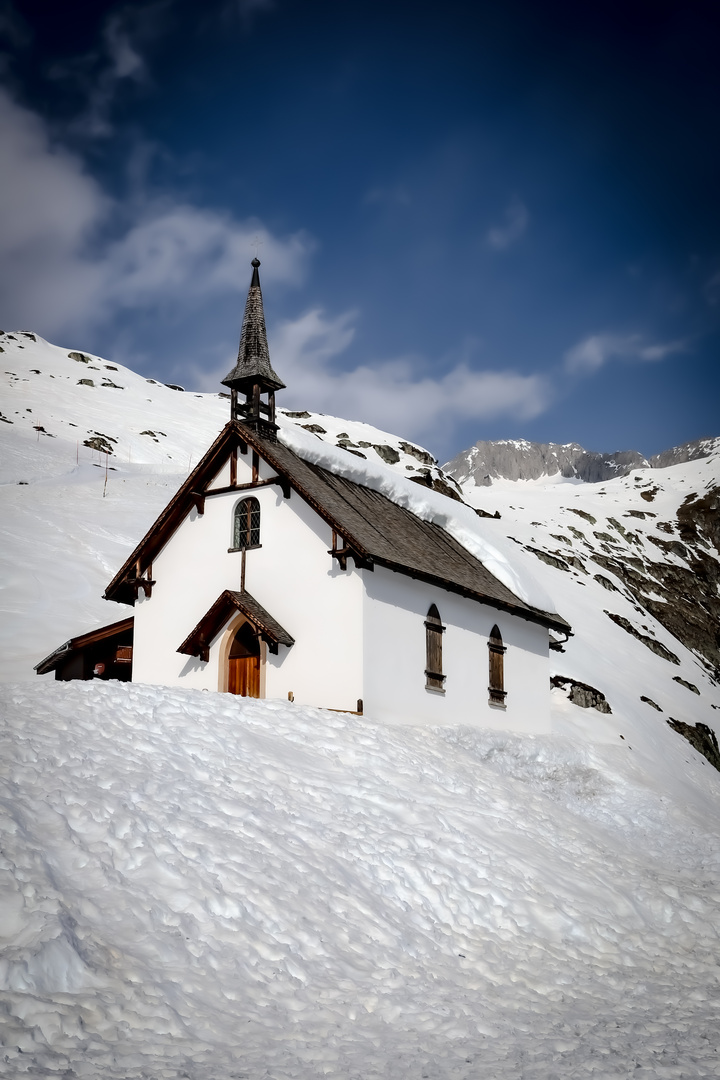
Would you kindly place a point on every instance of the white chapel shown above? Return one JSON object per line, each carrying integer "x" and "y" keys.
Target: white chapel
{"x": 271, "y": 577}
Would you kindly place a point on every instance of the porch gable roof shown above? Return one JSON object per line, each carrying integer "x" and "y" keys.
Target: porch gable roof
{"x": 198, "y": 641}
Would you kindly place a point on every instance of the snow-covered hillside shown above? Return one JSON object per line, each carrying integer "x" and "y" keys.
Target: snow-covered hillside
{"x": 198, "y": 886}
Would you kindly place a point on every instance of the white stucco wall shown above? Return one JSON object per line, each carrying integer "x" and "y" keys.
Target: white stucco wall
{"x": 358, "y": 634}
{"x": 394, "y": 689}
{"x": 291, "y": 575}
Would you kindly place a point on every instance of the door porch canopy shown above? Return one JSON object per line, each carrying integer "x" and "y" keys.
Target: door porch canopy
{"x": 198, "y": 642}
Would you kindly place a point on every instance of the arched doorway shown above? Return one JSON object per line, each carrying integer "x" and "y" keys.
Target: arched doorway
{"x": 244, "y": 663}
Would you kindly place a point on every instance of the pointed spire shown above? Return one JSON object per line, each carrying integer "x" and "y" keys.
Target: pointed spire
{"x": 253, "y": 367}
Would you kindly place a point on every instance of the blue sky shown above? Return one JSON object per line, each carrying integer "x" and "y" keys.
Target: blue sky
{"x": 476, "y": 220}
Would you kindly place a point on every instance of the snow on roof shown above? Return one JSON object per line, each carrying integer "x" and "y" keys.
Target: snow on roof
{"x": 458, "y": 520}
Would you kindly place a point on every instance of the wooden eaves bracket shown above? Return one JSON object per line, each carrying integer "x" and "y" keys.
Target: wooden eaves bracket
{"x": 347, "y": 551}
{"x": 138, "y": 583}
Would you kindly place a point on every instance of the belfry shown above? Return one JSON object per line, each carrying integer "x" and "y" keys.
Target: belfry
{"x": 253, "y": 374}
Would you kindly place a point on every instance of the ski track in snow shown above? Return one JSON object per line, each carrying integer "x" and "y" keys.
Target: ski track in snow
{"x": 197, "y": 886}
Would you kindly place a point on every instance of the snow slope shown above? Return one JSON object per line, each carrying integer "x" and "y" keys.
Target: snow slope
{"x": 197, "y": 886}
{"x": 204, "y": 887}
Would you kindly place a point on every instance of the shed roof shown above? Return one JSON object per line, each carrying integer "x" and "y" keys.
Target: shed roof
{"x": 376, "y": 531}
{"x": 113, "y": 630}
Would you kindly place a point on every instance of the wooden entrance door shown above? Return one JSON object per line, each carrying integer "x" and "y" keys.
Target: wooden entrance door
{"x": 244, "y": 663}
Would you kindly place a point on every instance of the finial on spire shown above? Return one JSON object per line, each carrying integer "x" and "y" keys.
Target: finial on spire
{"x": 253, "y": 374}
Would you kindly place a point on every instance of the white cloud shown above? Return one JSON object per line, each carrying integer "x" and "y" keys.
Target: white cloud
{"x": 70, "y": 259}
{"x": 517, "y": 219}
{"x": 593, "y": 352}
{"x": 388, "y": 393}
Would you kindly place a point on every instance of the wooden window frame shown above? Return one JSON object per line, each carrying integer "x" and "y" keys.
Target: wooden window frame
{"x": 496, "y": 670}
{"x": 434, "y": 630}
{"x": 252, "y": 531}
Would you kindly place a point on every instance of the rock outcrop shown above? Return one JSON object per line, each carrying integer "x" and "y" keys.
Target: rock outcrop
{"x": 518, "y": 459}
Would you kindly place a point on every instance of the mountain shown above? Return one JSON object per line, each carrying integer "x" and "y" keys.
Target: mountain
{"x": 194, "y": 885}
{"x": 518, "y": 459}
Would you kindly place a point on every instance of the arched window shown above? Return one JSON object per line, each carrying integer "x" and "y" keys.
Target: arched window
{"x": 496, "y": 651}
{"x": 246, "y": 524}
{"x": 434, "y": 631}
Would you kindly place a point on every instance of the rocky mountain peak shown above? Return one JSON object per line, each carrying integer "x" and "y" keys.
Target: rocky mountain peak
{"x": 519, "y": 459}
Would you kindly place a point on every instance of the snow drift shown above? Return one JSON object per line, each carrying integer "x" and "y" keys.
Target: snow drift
{"x": 199, "y": 886}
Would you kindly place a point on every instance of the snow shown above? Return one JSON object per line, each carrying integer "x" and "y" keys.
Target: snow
{"x": 455, "y": 517}
{"x": 202, "y": 886}
{"x": 193, "y": 885}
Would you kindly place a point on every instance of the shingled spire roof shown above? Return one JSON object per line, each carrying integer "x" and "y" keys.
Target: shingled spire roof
{"x": 253, "y": 363}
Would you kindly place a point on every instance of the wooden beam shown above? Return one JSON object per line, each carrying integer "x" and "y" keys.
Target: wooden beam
{"x": 281, "y": 481}
{"x": 198, "y": 498}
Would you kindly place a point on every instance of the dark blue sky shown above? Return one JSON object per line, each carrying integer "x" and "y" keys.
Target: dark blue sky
{"x": 478, "y": 220}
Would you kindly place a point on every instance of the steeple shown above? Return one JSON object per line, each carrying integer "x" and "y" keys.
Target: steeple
{"x": 253, "y": 373}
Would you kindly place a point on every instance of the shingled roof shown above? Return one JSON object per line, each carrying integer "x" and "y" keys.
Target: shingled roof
{"x": 198, "y": 640}
{"x": 374, "y": 530}
{"x": 253, "y": 362}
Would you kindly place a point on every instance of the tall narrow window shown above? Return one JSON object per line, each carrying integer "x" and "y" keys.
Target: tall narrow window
{"x": 246, "y": 524}
{"x": 496, "y": 651}
{"x": 434, "y": 631}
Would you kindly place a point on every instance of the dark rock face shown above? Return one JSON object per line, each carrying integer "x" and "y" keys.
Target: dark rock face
{"x": 426, "y": 479}
{"x": 690, "y": 605}
{"x": 416, "y": 452}
{"x": 655, "y": 646}
{"x": 702, "y": 737}
{"x": 386, "y": 453}
{"x": 580, "y": 693}
{"x": 100, "y": 442}
{"x": 546, "y": 557}
{"x": 686, "y": 684}
{"x": 606, "y": 583}
{"x": 651, "y": 703}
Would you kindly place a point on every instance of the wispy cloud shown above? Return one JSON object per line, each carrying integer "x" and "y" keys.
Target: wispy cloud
{"x": 114, "y": 66}
{"x": 395, "y": 195}
{"x": 71, "y": 258}
{"x": 711, "y": 290}
{"x": 396, "y": 394}
{"x": 13, "y": 27}
{"x": 594, "y": 351}
{"x": 516, "y": 221}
